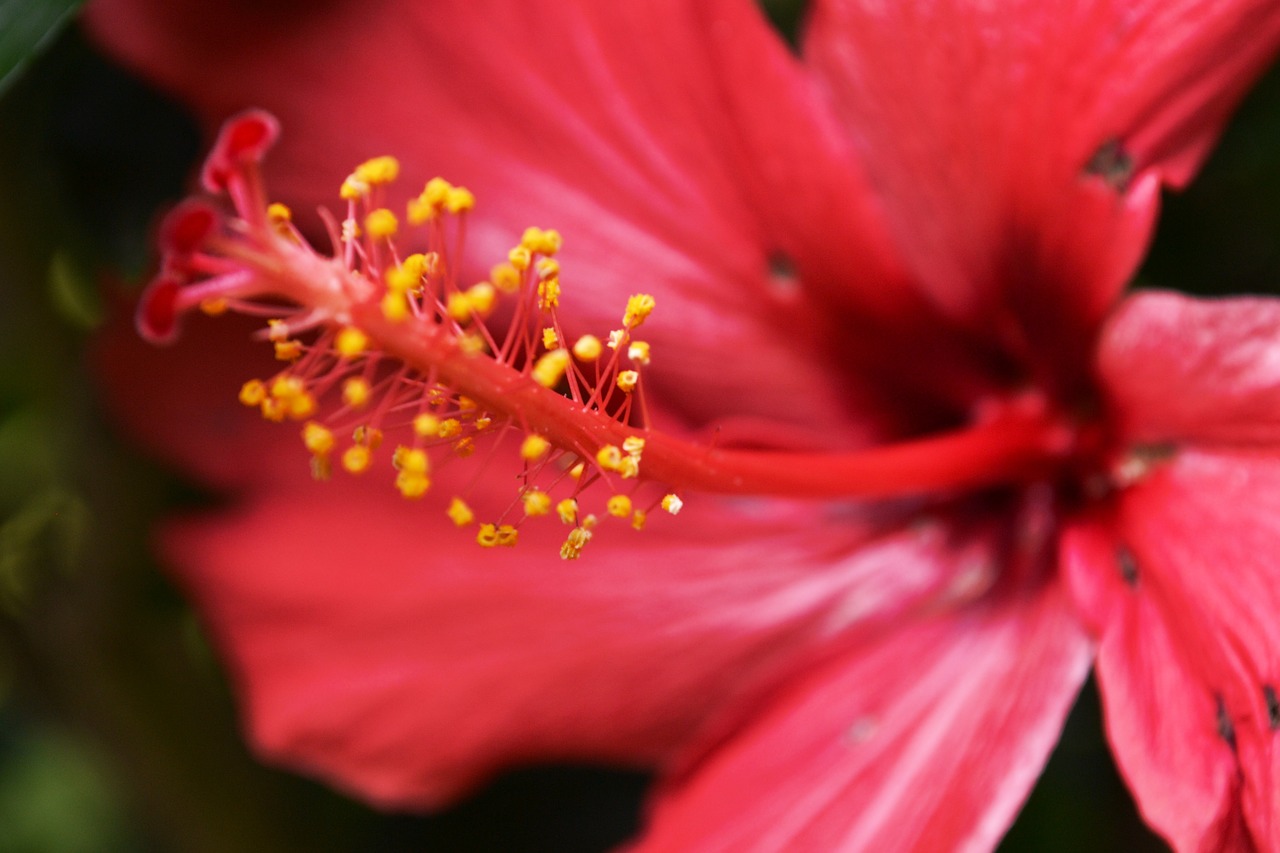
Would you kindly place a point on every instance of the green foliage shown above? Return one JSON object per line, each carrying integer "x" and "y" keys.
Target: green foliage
{"x": 26, "y": 28}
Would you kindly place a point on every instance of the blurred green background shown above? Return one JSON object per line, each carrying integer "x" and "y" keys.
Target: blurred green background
{"x": 116, "y": 729}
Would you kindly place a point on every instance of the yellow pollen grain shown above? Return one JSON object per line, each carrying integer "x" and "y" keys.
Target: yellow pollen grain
{"x": 567, "y": 509}
{"x": 288, "y": 350}
{"x": 274, "y": 409}
{"x": 552, "y": 242}
{"x": 412, "y": 485}
{"x": 459, "y": 513}
{"x": 472, "y": 344}
{"x": 519, "y": 258}
{"x": 672, "y": 504}
{"x": 549, "y": 294}
{"x": 436, "y": 192}
{"x": 487, "y": 536}
{"x": 638, "y": 519}
{"x": 550, "y": 367}
{"x": 464, "y": 446}
{"x": 616, "y": 337}
{"x": 639, "y": 307}
{"x": 278, "y": 214}
{"x": 355, "y": 459}
{"x": 459, "y": 200}
{"x": 619, "y": 506}
{"x": 638, "y": 351}
{"x": 507, "y": 535}
{"x": 426, "y": 425}
{"x": 627, "y": 380}
{"x": 449, "y": 428}
{"x": 533, "y": 448}
{"x": 395, "y": 306}
{"x": 301, "y": 407}
{"x": 536, "y": 503}
{"x": 549, "y": 338}
{"x": 253, "y": 392}
{"x": 317, "y": 438}
{"x": 609, "y": 457}
{"x": 413, "y": 460}
{"x": 378, "y": 170}
{"x": 352, "y": 188}
{"x": 483, "y": 422}
{"x": 381, "y": 224}
{"x": 482, "y": 296}
{"x": 573, "y": 545}
{"x": 215, "y": 307}
{"x": 505, "y": 277}
{"x": 588, "y": 348}
{"x": 629, "y": 467}
{"x": 350, "y": 342}
{"x": 466, "y": 404}
{"x": 368, "y": 436}
{"x": 547, "y": 268}
{"x": 633, "y": 445}
{"x": 356, "y": 392}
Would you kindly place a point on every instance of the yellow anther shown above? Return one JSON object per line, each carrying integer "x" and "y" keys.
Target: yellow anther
{"x": 550, "y": 367}
{"x": 619, "y": 506}
{"x": 578, "y": 470}
{"x": 589, "y": 521}
{"x": 356, "y": 392}
{"x": 536, "y": 503}
{"x": 567, "y": 509}
{"x": 288, "y": 350}
{"x": 549, "y": 294}
{"x": 419, "y": 264}
{"x": 507, "y": 535}
{"x": 278, "y": 214}
{"x": 472, "y": 344}
{"x": 449, "y": 428}
{"x": 411, "y": 459}
{"x": 482, "y": 297}
{"x": 213, "y": 307}
{"x": 638, "y": 351}
{"x": 573, "y": 545}
{"x": 353, "y": 188}
{"x": 253, "y": 392}
{"x": 487, "y": 536}
{"x": 672, "y": 504}
{"x": 549, "y": 338}
{"x": 285, "y": 387}
{"x": 547, "y": 268}
{"x": 350, "y": 342}
{"x": 551, "y": 242}
{"x": 426, "y": 425}
{"x": 505, "y": 277}
{"x": 464, "y": 446}
{"x": 381, "y": 223}
{"x": 301, "y": 407}
{"x": 395, "y": 306}
{"x": 401, "y": 279}
{"x": 412, "y": 485}
{"x": 458, "y": 307}
{"x": 616, "y": 337}
{"x": 466, "y": 404}
{"x": 638, "y": 520}
{"x": 534, "y": 448}
{"x": 355, "y": 459}
{"x": 629, "y": 467}
{"x": 609, "y": 457}
{"x": 459, "y": 200}
{"x": 483, "y": 422}
{"x": 633, "y": 445}
{"x": 368, "y": 436}
{"x": 588, "y": 348}
{"x": 627, "y": 380}
{"x": 321, "y": 467}
{"x": 277, "y": 330}
{"x": 639, "y": 307}
{"x": 378, "y": 170}
{"x": 459, "y": 513}
{"x": 531, "y": 239}
{"x": 436, "y": 192}
{"x": 519, "y": 258}
{"x": 274, "y": 409}
{"x": 317, "y": 438}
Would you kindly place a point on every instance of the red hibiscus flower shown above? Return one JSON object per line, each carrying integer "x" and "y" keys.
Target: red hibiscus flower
{"x": 889, "y": 275}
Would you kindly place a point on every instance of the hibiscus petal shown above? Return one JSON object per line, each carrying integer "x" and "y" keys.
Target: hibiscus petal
{"x": 1180, "y": 580}
{"x": 1018, "y": 144}
{"x": 382, "y": 649}
{"x": 676, "y": 144}
{"x": 928, "y": 740}
{"x": 1177, "y": 368}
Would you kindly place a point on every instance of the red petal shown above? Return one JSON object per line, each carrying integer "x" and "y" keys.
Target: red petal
{"x": 1189, "y": 663}
{"x": 1182, "y": 368}
{"x": 1017, "y": 144}
{"x": 380, "y": 648}
{"x": 929, "y": 740}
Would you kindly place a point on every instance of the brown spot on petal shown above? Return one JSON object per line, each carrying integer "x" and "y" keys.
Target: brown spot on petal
{"x": 1113, "y": 164}
{"x": 1128, "y": 566}
{"x": 1273, "y": 706}
{"x": 1226, "y": 729}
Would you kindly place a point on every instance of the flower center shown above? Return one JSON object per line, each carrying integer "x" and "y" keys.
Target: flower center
{"x": 374, "y": 342}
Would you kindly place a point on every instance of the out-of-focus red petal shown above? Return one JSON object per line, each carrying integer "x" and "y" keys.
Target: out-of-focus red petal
{"x": 928, "y": 740}
{"x": 377, "y": 646}
{"x": 676, "y": 144}
{"x": 989, "y": 127}
{"x": 1180, "y": 581}
{"x": 182, "y": 402}
{"x": 1177, "y": 368}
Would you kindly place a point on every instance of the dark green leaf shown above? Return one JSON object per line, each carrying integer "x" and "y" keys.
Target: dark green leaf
{"x": 26, "y": 27}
